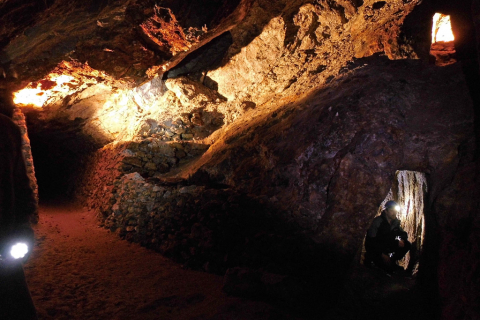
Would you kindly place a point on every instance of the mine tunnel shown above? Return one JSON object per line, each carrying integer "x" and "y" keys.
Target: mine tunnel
{"x": 225, "y": 159}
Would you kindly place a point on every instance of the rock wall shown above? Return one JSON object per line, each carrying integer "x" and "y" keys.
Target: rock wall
{"x": 411, "y": 192}
{"x": 19, "y": 119}
{"x": 458, "y": 212}
{"x": 149, "y": 157}
{"x": 302, "y": 183}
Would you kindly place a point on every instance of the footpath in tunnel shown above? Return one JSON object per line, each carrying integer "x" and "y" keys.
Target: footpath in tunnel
{"x": 81, "y": 271}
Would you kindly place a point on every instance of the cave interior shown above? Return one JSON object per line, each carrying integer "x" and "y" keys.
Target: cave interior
{"x": 251, "y": 138}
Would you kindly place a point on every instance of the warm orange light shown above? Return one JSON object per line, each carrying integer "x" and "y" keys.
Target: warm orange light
{"x": 114, "y": 109}
{"x": 27, "y": 96}
{"x": 38, "y": 93}
{"x": 442, "y": 28}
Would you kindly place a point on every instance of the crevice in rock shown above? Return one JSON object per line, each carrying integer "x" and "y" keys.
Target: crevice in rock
{"x": 379, "y": 5}
{"x": 208, "y": 57}
{"x": 409, "y": 190}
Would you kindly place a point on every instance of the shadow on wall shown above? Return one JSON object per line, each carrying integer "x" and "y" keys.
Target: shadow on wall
{"x": 216, "y": 229}
{"x": 208, "y": 57}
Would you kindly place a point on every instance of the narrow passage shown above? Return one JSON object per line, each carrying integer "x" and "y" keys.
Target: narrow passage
{"x": 81, "y": 271}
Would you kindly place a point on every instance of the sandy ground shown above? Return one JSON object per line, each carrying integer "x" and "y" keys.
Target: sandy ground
{"x": 81, "y": 271}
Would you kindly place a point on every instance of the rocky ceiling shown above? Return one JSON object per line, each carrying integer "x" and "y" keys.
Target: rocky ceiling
{"x": 299, "y": 111}
{"x": 108, "y": 53}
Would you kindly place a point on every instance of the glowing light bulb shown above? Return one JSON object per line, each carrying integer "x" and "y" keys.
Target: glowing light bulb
{"x": 397, "y": 208}
{"x": 19, "y": 250}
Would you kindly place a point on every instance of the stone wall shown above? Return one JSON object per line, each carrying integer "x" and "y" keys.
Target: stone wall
{"x": 95, "y": 183}
{"x": 149, "y": 157}
{"x": 206, "y": 228}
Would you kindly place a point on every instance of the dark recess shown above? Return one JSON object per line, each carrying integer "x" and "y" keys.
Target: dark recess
{"x": 379, "y": 5}
{"x": 53, "y": 169}
{"x": 58, "y": 151}
{"x": 208, "y": 57}
{"x": 201, "y": 13}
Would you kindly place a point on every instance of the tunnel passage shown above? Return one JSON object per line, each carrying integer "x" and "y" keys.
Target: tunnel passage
{"x": 59, "y": 152}
{"x": 409, "y": 191}
{"x": 53, "y": 169}
{"x": 442, "y": 47}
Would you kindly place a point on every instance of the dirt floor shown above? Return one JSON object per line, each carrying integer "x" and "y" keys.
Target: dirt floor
{"x": 81, "y": 271}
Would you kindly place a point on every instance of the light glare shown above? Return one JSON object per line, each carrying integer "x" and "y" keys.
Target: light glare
{"x": 37, "y": 96}
{"x": 34, "y": 96}
{"x": 19, "y": 250}
{"x": 442, "y": 28}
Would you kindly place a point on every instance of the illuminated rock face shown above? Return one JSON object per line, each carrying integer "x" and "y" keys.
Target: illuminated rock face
{"x": 305, "y": 129}
{"x": 19, "y": 119}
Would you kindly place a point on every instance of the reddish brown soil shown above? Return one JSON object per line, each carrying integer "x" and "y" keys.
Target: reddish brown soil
{"x": 81, "y": 271}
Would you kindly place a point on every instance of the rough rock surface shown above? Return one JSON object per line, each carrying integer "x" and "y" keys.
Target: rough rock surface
{"x": 457, "y": 209}
{"x": 325, "y": 185}
{"x": 282, "y": 49}
{"x": 304, "y": 136}
{"x": 19, "y": 119}
{"x": 131, "y": 40}
{"x": 351, "y": 138}
{"x": 279, "y": 49}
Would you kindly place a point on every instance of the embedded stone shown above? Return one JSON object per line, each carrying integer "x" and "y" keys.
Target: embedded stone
{"x": 188, "y": 189}
{"x": 166, "y": 150}
{"x": 132, "y": 161}
{"x": 150, "y": 166}
{"x": 180, "y": 154}
{"x": 187, "y": 136}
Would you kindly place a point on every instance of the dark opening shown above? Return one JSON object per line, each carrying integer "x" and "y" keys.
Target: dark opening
{"x": 379, "y": 5}
{"x": 58, "y": 151}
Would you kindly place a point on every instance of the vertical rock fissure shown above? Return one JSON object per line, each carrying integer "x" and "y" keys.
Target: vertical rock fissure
{"x": 409, "y": 191}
